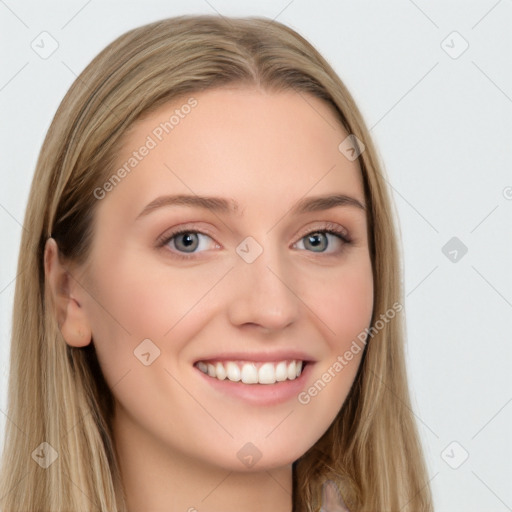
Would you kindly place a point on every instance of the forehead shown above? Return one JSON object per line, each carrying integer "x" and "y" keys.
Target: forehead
{"x": 236, "y": 142}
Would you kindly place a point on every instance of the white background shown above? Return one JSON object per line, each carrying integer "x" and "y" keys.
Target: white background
{"x": 442, "y": 126}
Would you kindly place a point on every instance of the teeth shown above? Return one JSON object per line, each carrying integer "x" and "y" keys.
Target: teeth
{"x": 292, "y": 370}
{"x": 249, "y": 373}
{"x": 281, "y": 371}
{"x": 267, "y": 374}
{"x": 233, "y": 371}
{"x": 220, "y": 372}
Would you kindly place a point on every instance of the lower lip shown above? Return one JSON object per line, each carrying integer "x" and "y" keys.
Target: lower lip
{"x": 261, "y": 394}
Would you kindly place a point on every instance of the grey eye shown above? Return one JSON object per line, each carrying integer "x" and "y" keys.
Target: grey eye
{"x": 186, "y": 242}
{"x": 316, "y": 241}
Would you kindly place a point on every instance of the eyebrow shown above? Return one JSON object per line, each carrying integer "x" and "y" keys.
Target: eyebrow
{"x": 223, "y": 205}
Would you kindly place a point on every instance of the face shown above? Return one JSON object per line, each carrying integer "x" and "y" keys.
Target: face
{"x": 261, "y": 275}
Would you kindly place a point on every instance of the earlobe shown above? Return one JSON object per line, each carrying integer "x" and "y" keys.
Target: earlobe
{"x": 70, "y": 314}
{"x": 75, "y": 329}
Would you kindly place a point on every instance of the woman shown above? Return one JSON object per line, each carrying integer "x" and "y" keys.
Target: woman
{"x": 189, "y": 347}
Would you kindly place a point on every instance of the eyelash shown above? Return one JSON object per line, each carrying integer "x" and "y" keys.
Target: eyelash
{"x": 332, "y": 229}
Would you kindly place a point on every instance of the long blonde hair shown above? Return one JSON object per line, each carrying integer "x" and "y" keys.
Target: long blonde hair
{"x": 57, "y": 393}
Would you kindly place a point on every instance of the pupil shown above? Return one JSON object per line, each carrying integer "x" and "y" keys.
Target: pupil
{"x": 188, "y": 239}
{"x": 315, "y": 241}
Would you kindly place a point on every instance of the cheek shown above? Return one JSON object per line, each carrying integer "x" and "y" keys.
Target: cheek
{"x": 147, "y": 298}
{"x": 344, "y": 305}
{"x": 344, "y": 302}
{"x": 134, "y": 301}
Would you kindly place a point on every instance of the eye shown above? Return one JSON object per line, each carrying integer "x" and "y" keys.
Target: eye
{"x": 322, "y": 239}
{"x": 185, "y": 240}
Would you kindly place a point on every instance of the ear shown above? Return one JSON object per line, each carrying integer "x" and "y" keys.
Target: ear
{"x": 73, "y": 322}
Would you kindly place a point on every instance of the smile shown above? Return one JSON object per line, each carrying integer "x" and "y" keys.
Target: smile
{"x": 250, "y": 372}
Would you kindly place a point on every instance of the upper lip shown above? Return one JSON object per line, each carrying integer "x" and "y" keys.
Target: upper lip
{"x": 278, "y": 355}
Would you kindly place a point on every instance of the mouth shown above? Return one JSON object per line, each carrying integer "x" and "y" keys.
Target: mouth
{"x": 257, "y": 383}
{"x": 253, "y": 372}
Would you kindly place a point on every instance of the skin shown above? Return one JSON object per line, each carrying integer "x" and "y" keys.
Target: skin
{"x": 177, "y": 437}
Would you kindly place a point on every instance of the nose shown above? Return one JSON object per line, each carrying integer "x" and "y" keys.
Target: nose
{"x": 264, "y": 293}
